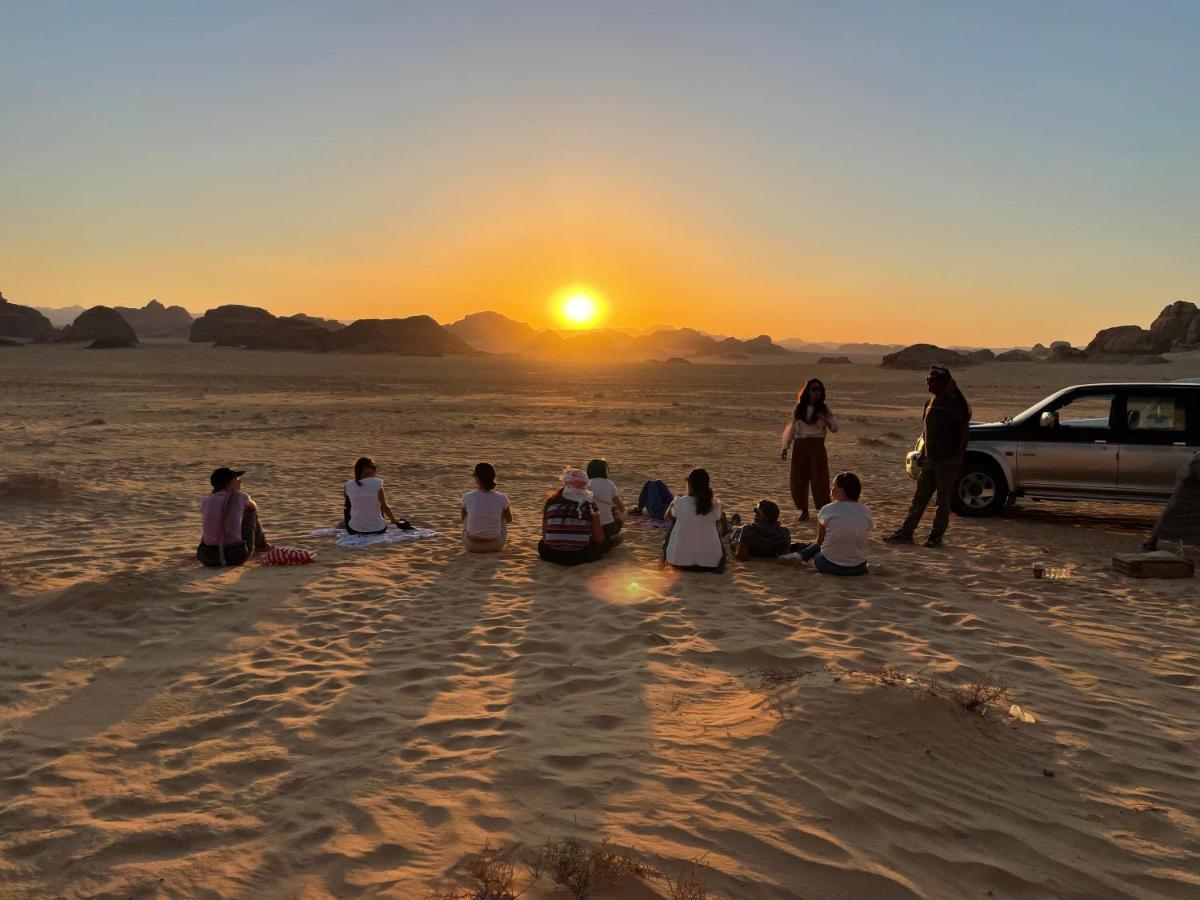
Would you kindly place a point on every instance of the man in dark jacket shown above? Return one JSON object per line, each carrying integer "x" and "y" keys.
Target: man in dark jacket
{"x": 947, "y": 417}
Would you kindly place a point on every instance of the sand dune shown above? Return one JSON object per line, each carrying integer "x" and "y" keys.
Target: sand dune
{"x": 363, "y": 725}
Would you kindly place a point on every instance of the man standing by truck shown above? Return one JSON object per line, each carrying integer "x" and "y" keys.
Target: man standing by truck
{"x": 947, "y": 418}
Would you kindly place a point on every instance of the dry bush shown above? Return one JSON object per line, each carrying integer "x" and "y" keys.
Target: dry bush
{"x": 687, "y": 885}
{"x": 982, "y": 693}
{"x": 773, "y": 676}
{"x": 493, "y": 878}
{"x": 30, "y": 487}
{"x": 584, "y": 870}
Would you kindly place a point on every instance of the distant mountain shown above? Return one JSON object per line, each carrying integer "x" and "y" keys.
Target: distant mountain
{"x": 412, "y": 336}
{"x": 156, "y": 320}
{"x": 24, "y": 323}
{"x": 493, "y": 332}
{"x": 60, "y": 316}
{"x": 803, "y": 346}
{"x": 327, "y": 324}
{"x": 610, "y": 343}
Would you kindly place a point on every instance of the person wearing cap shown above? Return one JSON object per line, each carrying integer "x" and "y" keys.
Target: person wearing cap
{"x": 485, "y": 513}
{"x": 947, "y": 419}
{"x": 764, "y": 536}
{"x": 231, "y": 532}
{"x": 571, "y": 528}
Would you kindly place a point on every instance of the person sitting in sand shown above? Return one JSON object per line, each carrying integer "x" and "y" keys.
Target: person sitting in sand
{"x": 571, "y": 529}
{"x": 607, "y": 497}
{"x": 230, "y": 530}
{"x": 654, "y": 500}
{"x": 485, "y": 513}
{"x": 694, "y": 542}
{"x": 366, "y": 507}
{"x": 1180, "y": 518}
{"x": 764, "y": 536}
{"x": 842, "y": 528}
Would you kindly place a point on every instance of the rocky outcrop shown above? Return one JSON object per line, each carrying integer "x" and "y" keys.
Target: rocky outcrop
{"x": 1179, "y": 323}
{"x": 493, "y": 332}
{"x": 1041, "y": 351}
{"x": 1129, "y": 340}
{"x": 922, "y": 356}
{"x": 1063, "y": 352}
{"x": 835, "y": 361}
{"x": 599, "y": 346}
{"x": 981, "y": 356}
{"x": 755, "y": 345}
{"x": 1015, "y": 355}
{"x": 112, "y": 343}
{"x": 24, "y": 323}
{"x": 100, "y": 322}
{"x": 413, "y": 336}
{"x": 154, "y": 320}
{"x": 290, "y": 333}
{"x": 327, "y": 324}
{"x": 232, "y": 325}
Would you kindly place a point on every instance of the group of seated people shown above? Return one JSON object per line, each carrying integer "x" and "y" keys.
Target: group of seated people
{"x": 581, "y": 520}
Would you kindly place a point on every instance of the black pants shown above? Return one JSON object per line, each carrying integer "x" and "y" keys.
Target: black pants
{"x": 613, "y": 527}
{"x": 235, "y": 554}
{"x": 939, "y": 478}
{"x": 590, "y": 552}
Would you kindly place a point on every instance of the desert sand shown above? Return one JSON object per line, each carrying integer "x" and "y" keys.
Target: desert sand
{"x": 364, "y": 725}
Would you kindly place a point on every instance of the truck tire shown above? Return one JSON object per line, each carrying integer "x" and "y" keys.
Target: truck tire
{"x": 981, "y": 489}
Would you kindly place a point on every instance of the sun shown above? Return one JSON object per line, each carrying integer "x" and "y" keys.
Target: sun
{"x": 579, "y": 308}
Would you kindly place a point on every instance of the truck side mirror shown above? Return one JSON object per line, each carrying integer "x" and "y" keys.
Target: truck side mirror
{"x": 1048, "y": 420}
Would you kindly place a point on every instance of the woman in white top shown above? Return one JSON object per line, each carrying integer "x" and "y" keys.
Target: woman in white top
{"x": 608, "y": 499}
{"x": 694, "y": 542}
{"x": 811, "y": 420}
{"x": 485, "y": 513}
{"x": 366, "y": 510}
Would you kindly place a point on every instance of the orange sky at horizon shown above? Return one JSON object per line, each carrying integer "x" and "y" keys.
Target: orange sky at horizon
{"x": 893, "y": 173}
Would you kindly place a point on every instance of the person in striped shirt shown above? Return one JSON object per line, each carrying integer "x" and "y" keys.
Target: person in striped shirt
{"x": 571, "y": 529}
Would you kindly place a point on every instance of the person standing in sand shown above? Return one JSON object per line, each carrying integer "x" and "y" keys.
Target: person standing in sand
{"x": 485, "y": 513}
{"x": 230, "y": 530}
{"x": 811, "y": 420}
{"x": 607, "y": 497}
{"x": 947, "y": 419}
{"x": 571, "y": 529}
{"x": 366, "y": 507}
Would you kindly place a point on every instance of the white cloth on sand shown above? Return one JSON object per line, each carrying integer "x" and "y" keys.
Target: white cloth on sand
{"x": 392, "y": 536}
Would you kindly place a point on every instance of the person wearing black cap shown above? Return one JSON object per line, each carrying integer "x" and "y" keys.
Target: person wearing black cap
{"x": 947, "y": 419}
{"x": 229, "y": 522}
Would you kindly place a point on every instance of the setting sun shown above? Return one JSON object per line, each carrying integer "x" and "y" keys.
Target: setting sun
{"x": 579, "y": 308}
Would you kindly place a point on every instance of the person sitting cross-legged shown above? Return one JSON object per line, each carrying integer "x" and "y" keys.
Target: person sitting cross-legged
{"x": 843, "y": 526}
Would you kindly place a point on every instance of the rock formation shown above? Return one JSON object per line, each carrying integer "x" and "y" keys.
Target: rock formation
{"x": 1015, "y": 355}
{"x": 1062, "y": 352}
{"x": 1129, "y": 340}
{"x": 24, "y": 323}
{"x": 493, "y": 332}
{"x": 100, "y": 322}
{"x": 290, "y": 333}
{"x": 981, "y": 356}
{"x": 1180, "y": 324}
{"x": 327, "y": 324}
{"x": 154, "y": 320}
{"x": 231, "y": 325}
{"x": 413, "y": 336}
{"x": 922, "y": 356}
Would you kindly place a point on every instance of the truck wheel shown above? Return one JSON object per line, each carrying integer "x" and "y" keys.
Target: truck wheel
{"x": 980, "y": 490}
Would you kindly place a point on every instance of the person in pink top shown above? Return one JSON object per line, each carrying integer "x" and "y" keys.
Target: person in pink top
{"x": 231, "y": 532}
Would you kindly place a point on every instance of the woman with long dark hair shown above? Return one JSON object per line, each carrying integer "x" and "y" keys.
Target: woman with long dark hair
{"x": 694, "y": 542}
{"x": 811, "y": 420}
{"x": 366, "y": 509}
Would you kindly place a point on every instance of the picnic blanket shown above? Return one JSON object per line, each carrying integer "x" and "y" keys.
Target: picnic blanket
{"x": 391, "y": 536}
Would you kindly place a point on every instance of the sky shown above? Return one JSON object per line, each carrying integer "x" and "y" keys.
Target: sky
{"x": 984, "y": 173}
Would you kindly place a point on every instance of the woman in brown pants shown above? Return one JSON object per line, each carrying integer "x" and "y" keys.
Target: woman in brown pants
{"x": 811, "y": 420}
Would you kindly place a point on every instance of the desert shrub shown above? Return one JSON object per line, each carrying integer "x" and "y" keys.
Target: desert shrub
{"x": 981, "y": 693}
{"x": 687, "y": 885}
{"x": 492, "y": 876}
{"x": 584, "y": 870}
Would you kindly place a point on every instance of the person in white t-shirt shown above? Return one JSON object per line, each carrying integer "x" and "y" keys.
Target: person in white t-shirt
{"x": 485, "y": 513}
{"x": 843, "y": 526}
{"x": 366, "y": 508}
{"x": 607, "y": 497}
{"x": 694, "y": 541}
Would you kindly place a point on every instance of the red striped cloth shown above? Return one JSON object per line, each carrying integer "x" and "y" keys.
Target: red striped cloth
{"x": 287, "y": 556}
